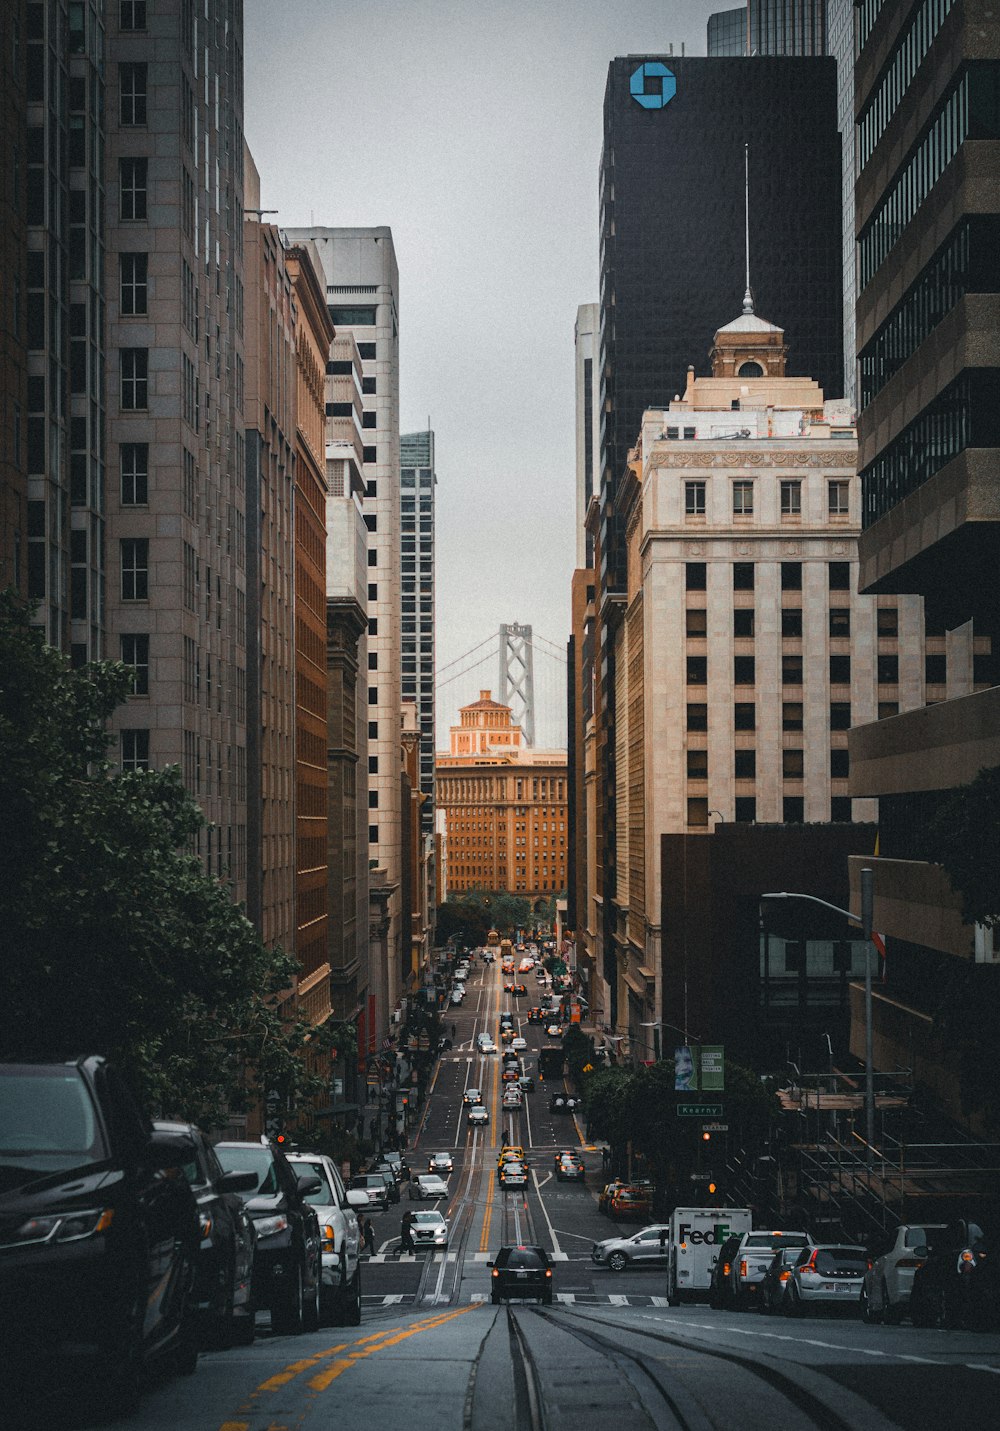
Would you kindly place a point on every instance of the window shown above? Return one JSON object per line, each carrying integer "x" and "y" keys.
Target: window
{"x": 135, "y": 652}
{"x": 887, "y": 709}
{"x": 345, "y": 317}
{"x": 840, "y": 763}
{"x": 791, "y": 576}
{"x": 792, "y": 764}
{"x": 791, "y": 715}
{"x": 373, "y": 730}
{"x": 746, "y": 764}
{"x": 133, "y": 269}
{"x": 697, "y": 717}
{"x": 745, "y": 715}
{"x": 743, "y": 621}
{"x": 697, "y": 764}
{"x": 373, "y": 834}
{"x": 840, "y": 810}
{"x": 134, "y": 568}
{"x": 840, "y": 715}
{"x": 840, "y": 621}
{"x": 135, "y": 749}
{"x": 793, "y": 809}
{"x": 743, "y": 576}
{"x": 697, "y": 810}
{"x": 373, "y": 558}
{"x": 373, "y": 591}
{"x": 791, "y": 621}
{"x": 791, "y": 499}
{"x": 369, "y": 419}
{"x": 744, "y": 673}
{"x": 935, "y": 670}
{"x": 838, "y": 498}
{"x": 369, "y": 387}
{"x": 694, "y": 499}
{"x": 694, "y": 576}
{"x": 888, "y": 670}
{"x": 369, "y": 454}
{"x": 134, "y": 370}
{"x": 366, "y": 352}
{"x": 697, "y": 621}
{"x": 133, "y": 14}
{"x": 840, "y": 576}
{"x": 742, "y": 499}
{"x": 887, "y": 618}
{"x": 840, "y": 670}
{"x": 697, "y": 670}
{"x": 132, "y": 94}
{"x": 791, "y": 670}
{"x": 373, "y": 695}
{"x": 373, "y": 799}
{"x": 746, "y": 809}
{"x": 134, "y": 466}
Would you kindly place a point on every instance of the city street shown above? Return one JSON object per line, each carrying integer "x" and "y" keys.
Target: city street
{"x": 433, "y": 1352}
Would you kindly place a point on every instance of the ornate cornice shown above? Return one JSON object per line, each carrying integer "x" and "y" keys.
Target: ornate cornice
{"x": 826, "y": 457}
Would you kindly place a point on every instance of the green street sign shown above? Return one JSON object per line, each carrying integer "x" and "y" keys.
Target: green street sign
{"x": 699, "y": 1110}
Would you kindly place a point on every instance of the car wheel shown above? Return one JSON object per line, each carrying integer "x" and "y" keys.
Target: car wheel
{"x": 868, "y": 1314}
{"x": 891, "y": 1315}
{"x": 310, "y": 1309}
{"x": 947, "y": 1313}
{"x": 793, "y": 1304}
{"x": 617, "y": 1261}
{"x": 495, "y": 1298}
{"x": 287, "y": 1314}
{"x": 546, "y": 1299}
{"x": 244, "y": 1329}
{"x": 921, "y": 1314}
{"x": 186, "y": 1351}
{"x": 116, "y": 1383}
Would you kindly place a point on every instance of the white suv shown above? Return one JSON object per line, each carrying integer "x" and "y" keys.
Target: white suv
{"x": 340, "y": 1289}
{"x": 885, "y": 1292}
{"x": 751, "y": 1260}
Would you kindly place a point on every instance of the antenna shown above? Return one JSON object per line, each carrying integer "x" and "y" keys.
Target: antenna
{"x": 748, "y": 296}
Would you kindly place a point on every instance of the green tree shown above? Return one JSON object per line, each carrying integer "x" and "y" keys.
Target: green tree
{"x": 113, "y": 937}
{"x": 964, "y": 837}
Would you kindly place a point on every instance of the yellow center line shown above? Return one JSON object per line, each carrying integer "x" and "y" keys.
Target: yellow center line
{"x": 323, "y": 1379}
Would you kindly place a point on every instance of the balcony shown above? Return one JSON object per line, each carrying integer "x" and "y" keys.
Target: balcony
{"x": 914, "y": 901}
{"x": 932, "y": 748}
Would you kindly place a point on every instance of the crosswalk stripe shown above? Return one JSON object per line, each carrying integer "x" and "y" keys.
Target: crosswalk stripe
{"x": 660, "y": 1301}
{"x": 568, "y": 1297}
{"x": 617, "y": 1299}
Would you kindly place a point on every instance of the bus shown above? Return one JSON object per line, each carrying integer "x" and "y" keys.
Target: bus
{"x": 493, "y": 939}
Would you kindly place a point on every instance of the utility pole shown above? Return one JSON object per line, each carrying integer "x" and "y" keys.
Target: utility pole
{"x": 867, "y": 914}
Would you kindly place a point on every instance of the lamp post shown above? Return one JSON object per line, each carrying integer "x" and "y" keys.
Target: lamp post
{"x": 865, "y": 919}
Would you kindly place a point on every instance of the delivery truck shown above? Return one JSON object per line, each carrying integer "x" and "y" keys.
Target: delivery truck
{"x": 696, "y": 1234}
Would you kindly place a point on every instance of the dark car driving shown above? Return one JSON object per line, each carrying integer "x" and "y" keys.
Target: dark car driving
{"x": 956, "y": 1285}
{"x": 374, "y": 1185}
{"x": 521, "y": 1272}
{"x": 226, "y": 1247}
{"x": 287, "y": 1269}
{"x": 98, "y": 1237}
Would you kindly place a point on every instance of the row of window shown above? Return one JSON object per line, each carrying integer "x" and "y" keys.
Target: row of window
{"x": 696, "y": 576}
{"x": 745, "y": 670}
{"x": 838, "y": 498}
{"x": 910, "y": 49}
{"x": 793, "y": 810}
{"x": 745, "y": 621}
{"x": 745, "y": 764}
{"x": 792, "y": 715}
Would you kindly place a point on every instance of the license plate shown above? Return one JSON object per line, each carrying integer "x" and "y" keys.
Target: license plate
{"x": 521, "y": 1275}
{"x": 846, "y": 1287}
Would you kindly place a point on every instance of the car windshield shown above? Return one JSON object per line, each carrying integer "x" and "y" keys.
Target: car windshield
{"x": 428, "y": 1219}
{"x": 324, "y": 1196}
{"x": 47, "y": 1122}
{"x": 841, "y": 1259}
{"x": 930, "y": 1237}
{"x": 250, "y": 1159}
{"x": 522, "y": 1257}
{"x": 776, "y": 1240}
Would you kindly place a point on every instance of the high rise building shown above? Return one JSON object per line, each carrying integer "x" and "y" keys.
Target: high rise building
{"x": 13, "y": 301}
{"x": 362, "y": 295}
{"x": 587, "y": 345}
{"x": 840, "y": 40}
{"x": 417, "y": 481}
{"x": 504, "y": 806}
{"x": 769, "y": 27}
{"x": 928, "y": 342}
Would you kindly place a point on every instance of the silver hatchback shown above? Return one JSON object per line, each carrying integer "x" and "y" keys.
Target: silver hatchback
{"x": 827, "y": 1276}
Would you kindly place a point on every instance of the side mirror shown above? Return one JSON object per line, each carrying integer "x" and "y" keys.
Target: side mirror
{"x": 357, "y": 1197}
{"x": 308, "y": 1184}
{"x": 922, "y": 1251}
{"x": 236, "y": 1182}
{"x": 167, "y": 1150}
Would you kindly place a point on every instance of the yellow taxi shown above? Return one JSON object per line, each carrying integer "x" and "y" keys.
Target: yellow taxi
{"x": 510, "y": 1153}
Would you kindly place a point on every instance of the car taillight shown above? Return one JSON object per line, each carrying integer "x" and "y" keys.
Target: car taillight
{"x": 725, "y": 1266}
{"x": 743, "y": 1267}
{"x": 810, "y": 1266}
{"x": 548, "y": 1271}
{"x": 908, "y": 1262}
{"x": 966, "y": 1260}
{"x": 783, "y": 1276}
{"x": 495, "y": 1272}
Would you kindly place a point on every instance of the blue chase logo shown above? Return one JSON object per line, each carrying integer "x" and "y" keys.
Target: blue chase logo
{"x": 653, "y": 85}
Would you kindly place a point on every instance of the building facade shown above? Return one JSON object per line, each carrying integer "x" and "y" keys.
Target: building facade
{"x": 418, "y": 480}
{"x": 928, "y": 342}
{"x": 840, "y": 38}
{"x": 13, "y": 301}
{"x": 504, "y": 806}
{"x": 587, "y": 344}
{"x": 769, "y": 27}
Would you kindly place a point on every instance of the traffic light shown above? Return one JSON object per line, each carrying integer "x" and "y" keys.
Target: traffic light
{"x": 712, "y": 1187}
{"x": 280, "y": 1139}
{"x": 706, "y": 1137}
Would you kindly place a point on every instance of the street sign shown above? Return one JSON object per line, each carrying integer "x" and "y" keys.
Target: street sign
{"x": 715, "y": 1127}
{"x": 699, "y": 1110}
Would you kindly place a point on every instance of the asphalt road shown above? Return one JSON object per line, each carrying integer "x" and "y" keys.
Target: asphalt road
{"x": 433, "y": 1354}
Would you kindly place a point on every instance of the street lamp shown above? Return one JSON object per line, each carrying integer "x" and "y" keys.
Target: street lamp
{"x": 865, "y": 919}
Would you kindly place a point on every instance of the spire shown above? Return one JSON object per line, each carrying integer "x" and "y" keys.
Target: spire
{"x": 748, "y": 296}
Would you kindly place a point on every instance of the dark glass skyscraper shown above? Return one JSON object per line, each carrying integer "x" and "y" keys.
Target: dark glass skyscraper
{"x": 417, "y": 483}
{"x": 769, "y": 27}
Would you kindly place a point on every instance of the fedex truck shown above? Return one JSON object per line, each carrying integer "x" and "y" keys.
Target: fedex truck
{"x": 696, "y": 1234}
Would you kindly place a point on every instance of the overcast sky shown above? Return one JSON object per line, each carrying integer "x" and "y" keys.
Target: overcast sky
{"x": 473, "y": 129}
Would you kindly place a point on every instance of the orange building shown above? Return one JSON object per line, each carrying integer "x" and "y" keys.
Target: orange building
{"x": 504, "y": 806}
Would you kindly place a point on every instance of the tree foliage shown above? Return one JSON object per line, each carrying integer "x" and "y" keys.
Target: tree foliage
{"x": 113, "y": 939}
{"x": 471, "y": 916}
{"x": 964, "y": 837}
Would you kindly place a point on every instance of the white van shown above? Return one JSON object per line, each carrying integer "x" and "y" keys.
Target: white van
{"x": 696, "y": 1234}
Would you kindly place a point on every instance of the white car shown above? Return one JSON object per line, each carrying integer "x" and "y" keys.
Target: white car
{"x": 440, "y": 1163}
{"x": 885, "y": 1292}
{"x": 478, "y": 1116}
{"x": 429, "y": 1229}
{"x": 472, "y": 1097}
{"x": 487, "y": 1046}
{"x": 457, "y": 996}
{"x": 428, "y": 1185}
{"x": 648, "y": 1247}
{"x": 512, "y": 1098}
{"x": 825, "y": 1275}
{"x": 336, "y": 1208}
{"x": 517, "y": 1043}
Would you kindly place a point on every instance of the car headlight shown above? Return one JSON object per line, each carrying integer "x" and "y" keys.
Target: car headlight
{"x": 61, "y": 1227}
{"x": 205, "y": 1225}
{"x": 271, "y": 1226}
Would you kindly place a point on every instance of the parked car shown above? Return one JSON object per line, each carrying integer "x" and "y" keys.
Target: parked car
{"x": 98, "y": 1249}
{"x": 440, "y": 1163}
{"x": 648, "y": 1248}
{"x": 570, "y": 1168}
{"x": 226, "y": 1248}
{"x": 751, "y": 1259}
{"x": 777, "y": 1278}
{"x": 374, "y": 1185}
{"x": 885, "y": 1292}
{"x": 429, "y": 1229}
{"x": 830, "y": 1275}
{"x": 336, "y": 1207}
{"x": 428, "y": 1185}
{"x": 478, "y": 1116}
{"x": 956, "y": 1284}
{"x": 287, "y": 1267}
{"x": 457, "y": 996}
{"x": 521, "y": 1272}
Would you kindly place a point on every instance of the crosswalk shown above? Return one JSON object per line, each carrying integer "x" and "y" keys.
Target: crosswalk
{"x": 378, "y": 1257}
{"x": 567, "y": 1299}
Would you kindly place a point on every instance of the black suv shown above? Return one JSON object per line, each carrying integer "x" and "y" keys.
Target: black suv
{"x": 521, "y": 1272}
{"x": 98, "y": 1236}
{"x": 287, "y": 1269}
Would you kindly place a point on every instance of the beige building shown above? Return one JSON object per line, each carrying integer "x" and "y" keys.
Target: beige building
{"x": 504, "y": 806}
{"x": 743, "y": 654}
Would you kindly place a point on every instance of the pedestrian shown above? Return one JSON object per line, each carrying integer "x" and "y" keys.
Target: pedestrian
{"x": 605, "y": 1157}
{"x": 406, "y": 1233}
{"x": 368, "y": 1233}
{"x": 454, "y": 1031}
